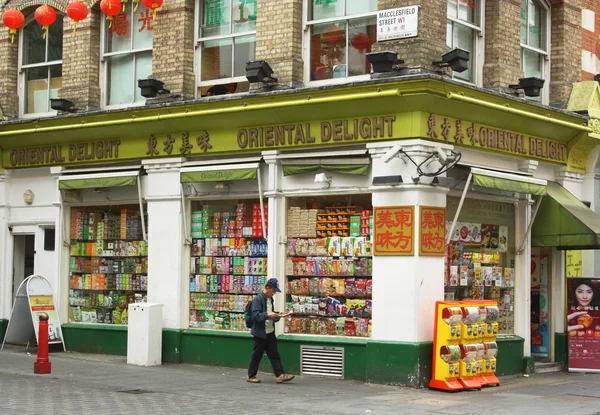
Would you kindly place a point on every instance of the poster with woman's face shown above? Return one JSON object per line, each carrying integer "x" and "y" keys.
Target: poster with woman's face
{"x": 583, "y": 323}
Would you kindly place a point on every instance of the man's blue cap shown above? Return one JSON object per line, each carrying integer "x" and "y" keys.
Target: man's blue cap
{"x": 274, "y": 284}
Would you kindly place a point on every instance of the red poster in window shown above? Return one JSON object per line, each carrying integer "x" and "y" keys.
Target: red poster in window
{"x": 393, "y": 230}
{"x": 432, "y": 229}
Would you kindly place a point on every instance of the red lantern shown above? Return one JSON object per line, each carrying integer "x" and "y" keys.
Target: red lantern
{"x": 110, "y": 8}
{"x": 361, "y": 41}
{"x": 45, "y": 15}
{"x": 14, "y": 20}
{"x": 77, "y": 11}
{"x": 153, "y": 5}
{"x": 332, "y": 35}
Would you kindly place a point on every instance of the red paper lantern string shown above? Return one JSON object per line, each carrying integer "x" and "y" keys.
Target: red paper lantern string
{"x": 137, "y": 4}
{"x": 77, "y": 11}
{"x": 45, "y": 15}
{"x": 153, "y": 5}
{"x": 110, "y": 8}
{"x": 361, "y": 41}
{"x": 124, "y": 3}
{"x": 14, "y": 20}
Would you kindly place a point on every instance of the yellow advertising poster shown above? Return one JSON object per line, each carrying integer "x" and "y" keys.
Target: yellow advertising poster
{"x": 573, "y": 264}
{"x": 45, "y": 304}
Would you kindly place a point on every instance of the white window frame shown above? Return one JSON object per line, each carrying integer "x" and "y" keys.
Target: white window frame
{"x": 22, "y": 82}
{"x": 104, "y": 66}
{"x": 545, "y": 93}
{"x": 198, "y": 40}
{"x": 306, "y": 24}
{"x": 478, "y": 55}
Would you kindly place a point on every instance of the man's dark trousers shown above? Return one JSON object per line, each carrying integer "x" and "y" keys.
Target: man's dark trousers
{"x": 270, "y": 346}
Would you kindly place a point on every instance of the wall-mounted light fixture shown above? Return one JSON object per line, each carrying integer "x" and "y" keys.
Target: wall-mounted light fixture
{"x": 531, "y": 86}
{"x": 259, "y": 71}
{"x": 457, "y": 59}
{"x": 394, "y": 180}
{"x": 61, "y": 104}
{"x": 151, "y": 87}
{"x": 323, "y": 178}
{"x": 383, "y": 61}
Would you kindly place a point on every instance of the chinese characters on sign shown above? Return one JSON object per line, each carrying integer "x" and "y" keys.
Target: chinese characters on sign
{"x": 120, "y": 26}
{"x": 397, "y": 23}
{"x": 471, "y": 134}
{"x": 432, "y": 229}
{"x": 202, "y": 141}
{"x": 394, "y": 230}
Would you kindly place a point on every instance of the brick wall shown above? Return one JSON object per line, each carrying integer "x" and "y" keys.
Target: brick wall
{"x": 173, "y": 47}
{"x": 565, "y": 65}
{"x": 9, "y": 98}
{"x": 590, "y": 43}
{"x": 431, "y": 41}
{"x": 502, "y": 65}
{"x": 81, "y": 63}
{"x": 279, "y": 39}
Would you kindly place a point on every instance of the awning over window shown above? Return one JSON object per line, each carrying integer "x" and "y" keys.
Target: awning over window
{"x": 508, "y": 182}
{"x": 564, "y": 222}
{"x": 93, "y": 181}
{"x": 357, "y": 169}
{"x": 218, "y": 174}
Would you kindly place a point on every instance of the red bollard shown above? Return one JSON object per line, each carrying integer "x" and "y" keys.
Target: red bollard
{"x": 42, "y": 365}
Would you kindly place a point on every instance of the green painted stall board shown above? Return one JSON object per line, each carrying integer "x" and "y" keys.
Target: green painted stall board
{"x": 96, "y": 182}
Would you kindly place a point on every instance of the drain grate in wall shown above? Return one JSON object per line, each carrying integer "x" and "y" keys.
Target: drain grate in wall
{"x": 135, "y": 391}
{"x": 322, "y": 361}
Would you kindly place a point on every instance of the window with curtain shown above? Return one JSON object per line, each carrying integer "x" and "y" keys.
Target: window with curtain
{"x": 41, "y": 66}
{"x": 341, "y": 33}
{"x": 127, "y": 55}
{"x": 226, "y": 41}
{"x": 463, "y": 29}
{"x": 534, "y": 48}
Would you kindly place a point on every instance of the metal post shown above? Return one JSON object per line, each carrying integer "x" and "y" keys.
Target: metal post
{"x": 139, "y": 186}
{"x": 42, "y": 365}
{"x": 462, "y": 199}
{"x": 535, "y": 211}
{"x": 262, "y": 206}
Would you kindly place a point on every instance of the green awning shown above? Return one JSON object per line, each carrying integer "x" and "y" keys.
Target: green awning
{"x": 509, "y": 185}
{"x": 356, "y": 169}
{"x": 224, "y": 175}
{"x": 564, "y": 222}
{"x": 77, "y": 182}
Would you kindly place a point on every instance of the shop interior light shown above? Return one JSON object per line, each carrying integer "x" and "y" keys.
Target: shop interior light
{"x": 221, "y": 185}
{"x": 457, "y": 59}
{"x": 259, "y": 71}
{"x": 99, "y": 189}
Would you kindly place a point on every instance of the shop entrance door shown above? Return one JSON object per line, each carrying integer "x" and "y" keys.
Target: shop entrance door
{"x": 23, "y": 260}
{"x": 540, "y": 304}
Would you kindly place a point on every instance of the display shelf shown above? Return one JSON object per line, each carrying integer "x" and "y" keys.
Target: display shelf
{"x": 217, "y": 309}
{"x": 320, "y": 295}
{"x": 331, "y": 315}
{"x": 93, "y": 306}
{"x": 221, "y": 292}
{"x": 110, "y": 256}
{"x": 341, "y": 277}
{"x": 110, "y": 273}
{"x": 109, "y": 289}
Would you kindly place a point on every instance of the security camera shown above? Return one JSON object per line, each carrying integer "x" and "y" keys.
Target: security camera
{"x": 442, "y": 156}
{"x": 391, "y": 153}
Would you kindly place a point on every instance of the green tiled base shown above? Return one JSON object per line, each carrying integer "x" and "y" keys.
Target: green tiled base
{"x": 560, "y": 348}
{"x": 394, "y": 363}
{"x": 3, "y": 326}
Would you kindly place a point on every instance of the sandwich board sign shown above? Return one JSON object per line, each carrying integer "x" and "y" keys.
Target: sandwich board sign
{"x": 33, "y": 298}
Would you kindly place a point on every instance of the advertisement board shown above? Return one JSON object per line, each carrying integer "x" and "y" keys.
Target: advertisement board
{"x": 583, "y": 324}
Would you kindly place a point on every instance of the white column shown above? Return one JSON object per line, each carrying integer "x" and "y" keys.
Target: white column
{"x": 5, "y": 271}
{"x": 522, "y": 291}
{"x": 168, "y": 275}
{"x": 276, "y": 227}
{"x": 405, "y": 288}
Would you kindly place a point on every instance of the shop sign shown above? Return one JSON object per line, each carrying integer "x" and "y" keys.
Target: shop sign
{"x": 583, "y": 324}
{"x": 470, "y": 134}
{"x": 397, "y": 23}
{"x": 328, "y": 132}
{"x": 393, "y": 230}
{"x": 574, "y": 264}
{"x": 432, "y": 230}
{"x": 60, "y": 154}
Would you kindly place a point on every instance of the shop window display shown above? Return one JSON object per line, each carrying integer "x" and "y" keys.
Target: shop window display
{"x": 108, "y": 264}
{"x": 479, "y": 261}
{"x": 329, "y": 267}
{"x": 228, "y": 262}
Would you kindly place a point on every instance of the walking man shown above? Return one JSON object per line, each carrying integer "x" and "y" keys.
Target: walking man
{"x": 263, "y": 329}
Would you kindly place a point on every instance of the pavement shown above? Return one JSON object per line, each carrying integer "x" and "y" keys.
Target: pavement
{"x": 99, "y": 384}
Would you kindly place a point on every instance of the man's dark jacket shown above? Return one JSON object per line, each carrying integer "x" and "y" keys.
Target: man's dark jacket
{"x": 259, "y": 315}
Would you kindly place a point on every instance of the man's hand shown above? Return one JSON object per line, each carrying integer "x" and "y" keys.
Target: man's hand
{"x": 272, "y": 315}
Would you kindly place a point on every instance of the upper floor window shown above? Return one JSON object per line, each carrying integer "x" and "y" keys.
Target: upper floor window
{"x": 126, "y": 56}
{"x": 463, "y": 30}
{"x": 534, "y": 42}
{"x": 341, "y": 33}
{"x": 40, "y": 66}
{"x": 226, "y": 41}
